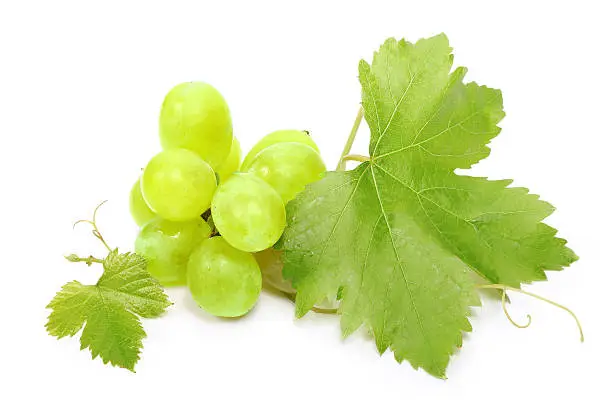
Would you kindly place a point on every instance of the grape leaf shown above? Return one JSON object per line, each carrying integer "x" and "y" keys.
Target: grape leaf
{"x": 110, "y": 309}
{"x": 402, "y": 236}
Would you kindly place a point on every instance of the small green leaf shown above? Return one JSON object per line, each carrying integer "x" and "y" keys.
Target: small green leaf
{"x": 73, "y": 258}
{"x": 110, "y": 309}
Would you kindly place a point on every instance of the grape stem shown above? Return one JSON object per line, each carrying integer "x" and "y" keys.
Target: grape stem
{"x": 546, "y": 300}
{"x": 349, "y": 142}
{"x": 207, "y": 214}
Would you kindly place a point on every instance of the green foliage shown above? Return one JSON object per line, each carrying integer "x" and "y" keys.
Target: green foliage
{"x": 402, "y": 235}
{"x": 110, "y": 309}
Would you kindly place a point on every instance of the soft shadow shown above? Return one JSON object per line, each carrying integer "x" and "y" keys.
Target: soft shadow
{"x": 193, "y": 308}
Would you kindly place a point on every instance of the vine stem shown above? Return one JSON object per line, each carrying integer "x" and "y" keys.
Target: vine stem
{"x": 88, "y": 260}
{"x": 349, "y": 142}
{"x": 546, "y": 300}
{"x": 330, "y": 311}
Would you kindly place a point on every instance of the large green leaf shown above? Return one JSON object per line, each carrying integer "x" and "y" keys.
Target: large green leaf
{"x": 402, "y": 235}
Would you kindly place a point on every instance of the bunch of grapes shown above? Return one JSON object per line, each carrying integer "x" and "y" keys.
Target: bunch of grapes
{"x": 202, "y": 214}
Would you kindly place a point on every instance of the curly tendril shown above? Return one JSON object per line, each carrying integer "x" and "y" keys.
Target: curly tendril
{"x": 546, "y": 300}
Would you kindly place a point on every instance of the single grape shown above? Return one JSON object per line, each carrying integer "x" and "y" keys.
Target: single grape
{"x": 138, "y": 207}
{"x": 195, "y": 116}
{"x": 280, "y": 136}
{"x": 232, "y": 162}
{"x": 288, "y": 167}
{"x": 248, "y": 212}
{"x": 271, "y": 265}
{"x": 223, "y": 280}
{"x": 178, "y": 185}
{"x": 167, "y": 246}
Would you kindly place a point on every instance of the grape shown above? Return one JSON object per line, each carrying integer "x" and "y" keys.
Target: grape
{"x": 280, "y": 136}
{"x": 138, "y": 207}
{"x": 167, "y": 246}
{"x": 271, "y": 265}
{"x": 195, "y": 116}
{"x": 248, "y": 213}
{"x": 232, "y": 162}
{"x": 288, "y": 167}
{"x": 223, "y": 280}
{"x": 178, "y": 185}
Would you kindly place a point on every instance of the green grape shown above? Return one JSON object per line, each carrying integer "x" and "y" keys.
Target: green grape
{"x": 271, "y": 265}
{"x": 232, "y": 162}
{"x": 167, "y": 246}
{"x": 280, "y": 136}
{"x": 248, "y": 213}
{"x": 138, "y": 207}
{"x": 195, "y": 116}
{"x": 223, "y": 280}
{"x": 178, "y": 185}
{"x": 288, "y": 167}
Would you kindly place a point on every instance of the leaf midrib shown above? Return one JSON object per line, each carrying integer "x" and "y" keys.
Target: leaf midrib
{"x": 117, "y": 346}
{"x": 399, "y": 262}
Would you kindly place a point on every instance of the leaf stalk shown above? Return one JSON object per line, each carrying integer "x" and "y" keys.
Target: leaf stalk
{"x": 355, "y": 157}
{"x": 349, "y": 142}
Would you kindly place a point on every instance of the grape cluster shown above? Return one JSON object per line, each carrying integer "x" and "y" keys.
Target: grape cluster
{"x": 202, "y": 214}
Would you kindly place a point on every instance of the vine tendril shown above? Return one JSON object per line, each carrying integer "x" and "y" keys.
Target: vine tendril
{"x": 546, "y": 300}
{"x": 92, "y": 222}
{"x": 512, "y": 321}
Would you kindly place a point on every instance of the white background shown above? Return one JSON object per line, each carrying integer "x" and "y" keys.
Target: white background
{"x": 81, "y": 84}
